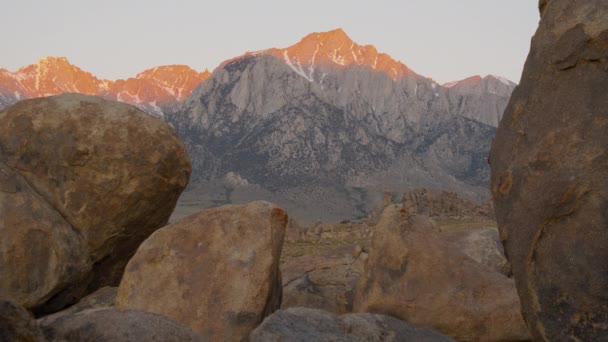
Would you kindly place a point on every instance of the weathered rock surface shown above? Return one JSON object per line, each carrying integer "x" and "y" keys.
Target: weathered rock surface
{"x": 110, "y": 170}
{"x": 102, "y": 298}
{"x": 549, "y": 174}
{"x": 17, "y": 325}
{"x": 216, "y": 271}
{"x": 306, "y": 325}
{"x": 482, "y": 245}
{"x": 413, "y": 274}
{"x": 112, "y": 325}
{"x": 325, "y": 281}
{"x": 42, "y": 257}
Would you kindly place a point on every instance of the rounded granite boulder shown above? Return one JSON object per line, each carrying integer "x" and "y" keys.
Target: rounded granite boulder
{"x": 111, "y": 172}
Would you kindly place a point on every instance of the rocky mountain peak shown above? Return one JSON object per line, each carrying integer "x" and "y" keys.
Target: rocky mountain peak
{"x": 52, "y": 61}
{"x": 157, "y": 90}
{"x": 55, "y": 75}
{"x": 490, "y": 84}
{"x": 177, "y": 81}
{"x": 469, "y": 80}
{"x": 159, "y": 86}
{"x": 317, "y": 51}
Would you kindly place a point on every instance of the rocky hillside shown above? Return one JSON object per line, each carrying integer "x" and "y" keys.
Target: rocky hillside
{"x": 323, "y": 126}
{"x": 156, "y": 91}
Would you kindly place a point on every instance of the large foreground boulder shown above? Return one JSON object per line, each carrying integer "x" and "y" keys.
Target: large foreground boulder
{"x": 413, "y": 274}
{"x": 111, "y": 172}
{"x": 216, "y": 271}
{"x": 549, "y": 180}
{"x": 41, "y": 256}
{"x": 16, "y": 324}
{"x": 314, "y": 325}
{"x": 112, "y": 325}
{"x": 326, "y": 281}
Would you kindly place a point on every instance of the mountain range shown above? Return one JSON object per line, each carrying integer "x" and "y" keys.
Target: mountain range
{"x": 322, "y": 127}
{"x": 156, "y": 91}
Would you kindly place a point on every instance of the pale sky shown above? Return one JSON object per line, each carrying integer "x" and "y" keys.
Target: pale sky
{"x": 443, "y": 39}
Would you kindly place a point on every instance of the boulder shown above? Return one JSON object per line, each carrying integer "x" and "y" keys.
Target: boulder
{"x": 216, "y": 271}
{"x": 326, "y": 281}
{"x": 102, "y": 298}
{"x": 16, "y": 324}
{"x": 414, "y": 274}
{"x": 111, "y": 171}
{"x": 310, "y": 325}
{"x": 112, "y": 325}
{"x": 42, "y": 256}
{"x": 549, "y": 174}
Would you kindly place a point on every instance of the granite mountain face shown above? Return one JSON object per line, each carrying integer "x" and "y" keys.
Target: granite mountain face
{"x": 325, "y": 126}
{"x": 322, "y": 127}
{"x": 157, "y": 91}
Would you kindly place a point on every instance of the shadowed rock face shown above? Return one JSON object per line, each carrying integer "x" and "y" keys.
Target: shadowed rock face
{"x": 16, "y": 324}
{"x": 40, "y": 253}
{"x": 100, "y": 299}
{"x": 324, "y": 281}
{"x": 107, "y": 175}
{"x": 216, "y": 271}
{"x": 112, "y": 325}
{"x": 549, "y": 174}
{"x": 304, "y": 324}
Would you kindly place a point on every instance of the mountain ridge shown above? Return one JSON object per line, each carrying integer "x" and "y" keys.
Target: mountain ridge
{"x": 156, "y": 90}
{"x": 325, "y": 136}
{"x": 322, "y": 127}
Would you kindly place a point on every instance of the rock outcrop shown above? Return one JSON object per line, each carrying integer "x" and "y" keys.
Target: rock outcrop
{"x": 549, "y": 167}
{"x": 325, "y": 281}
{"x": 445, "y": 204}
{"x": 95, "y": 178}
{"x": 305, "y": 325}
{"x": 413, "y": 274}
{"x": 16, "y": 324}
{"x": 216, "y": 271}
{"x": 112, "y": 325}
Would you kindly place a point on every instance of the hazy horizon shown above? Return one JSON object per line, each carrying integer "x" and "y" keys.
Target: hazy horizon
{"x": 443, "y": 40}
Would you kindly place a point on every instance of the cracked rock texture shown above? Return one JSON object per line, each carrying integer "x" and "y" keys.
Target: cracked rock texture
{"x": 40, "y": 253}
{"x": 550, "y": 175}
